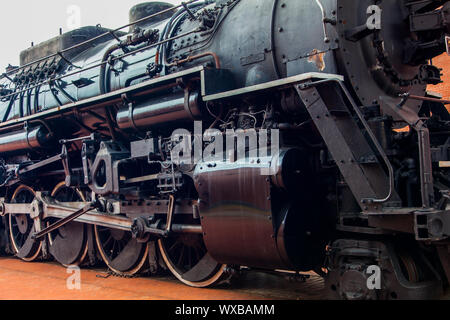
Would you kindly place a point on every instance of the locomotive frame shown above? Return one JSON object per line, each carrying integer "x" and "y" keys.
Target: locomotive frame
{"x": 350, "y": 191}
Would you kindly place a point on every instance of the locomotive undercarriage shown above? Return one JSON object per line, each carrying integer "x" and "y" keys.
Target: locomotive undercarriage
{"x": 131, "y": 207}
{"x": 344, "y": 175}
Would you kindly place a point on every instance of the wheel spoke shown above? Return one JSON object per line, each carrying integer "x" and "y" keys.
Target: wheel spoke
{"x": 188, "y": 260}
{"x": 174, "y": 246}
{"x": 112, "y": 243}
{"x": 18, "y": 236}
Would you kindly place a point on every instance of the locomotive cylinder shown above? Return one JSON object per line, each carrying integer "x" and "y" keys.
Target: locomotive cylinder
{"x": 178, "y": 106}
{"x": 27, "y": 139}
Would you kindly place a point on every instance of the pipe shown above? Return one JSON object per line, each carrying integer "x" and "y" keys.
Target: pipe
{"x": 167, "y": 31}
{"x": 8, "y": 109}
{"x": 64, "y": 93}
{"x": 15, "y": 70}
{"x": 130, "y": 41}
{"x": 182, "y": 228}
{"x": 27, "y": 139}
{"x": 192, "y": 58}
{"x": 101, "y": 63}
{"x": 413, "y": 97}
{"x": 178, "y": 106}
{"x": 105, "y": 58}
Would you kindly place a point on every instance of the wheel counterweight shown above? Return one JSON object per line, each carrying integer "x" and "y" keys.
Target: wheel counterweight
{"x": 22, "y": 227}
{"x": 68, "y": 244}
{"x": 189, "y": 261}
{"x": 121, "y": 253}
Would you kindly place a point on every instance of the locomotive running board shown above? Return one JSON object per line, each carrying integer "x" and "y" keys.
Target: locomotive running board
{"x": 273, "y": 85}
{"x": 211, "y": 80}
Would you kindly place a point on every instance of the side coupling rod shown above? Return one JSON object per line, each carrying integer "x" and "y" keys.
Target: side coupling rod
{"x": 90, "y": 206}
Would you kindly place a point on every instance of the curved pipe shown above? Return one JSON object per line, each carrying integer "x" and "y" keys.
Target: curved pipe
{"x": 8, "y": 109}
{"x": 122, "y": 45}
{"x": 54, "y": 95}
{"x": 94, "y": 39}
{"x": 36, "y": 99}
{"x": 28, "y": 106}
{"x": 272, "y": 39}
{"x": 167, "y": 31}
{"x": 64, "y": 93}
{"x": 105, "y": 58}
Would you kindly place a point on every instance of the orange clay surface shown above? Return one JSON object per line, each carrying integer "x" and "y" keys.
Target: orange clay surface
{"x": 47, "y": 281}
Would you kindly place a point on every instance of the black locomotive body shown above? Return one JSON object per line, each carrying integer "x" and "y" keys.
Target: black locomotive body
{"x": 215, "y": 135}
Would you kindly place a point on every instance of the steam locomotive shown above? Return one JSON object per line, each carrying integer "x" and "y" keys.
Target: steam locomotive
{"x": 215, "y": 135}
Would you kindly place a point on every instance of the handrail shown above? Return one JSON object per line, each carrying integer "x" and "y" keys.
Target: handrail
{"x": 371, "y": 135}
{"x": 47, "y": 81}
{"x": 96, "y": 38}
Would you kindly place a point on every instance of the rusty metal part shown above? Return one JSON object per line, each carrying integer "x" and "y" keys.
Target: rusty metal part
{"x": 196, "y": 57}
{"x": 316, "y": 57}
{"x": 414, "y": 97}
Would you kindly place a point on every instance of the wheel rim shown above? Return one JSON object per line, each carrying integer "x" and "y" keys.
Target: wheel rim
{"x": 68, "y": 244}
{"x": 410, "y": 268}
{"x": 189, "y": 261}
{"x": 22, "y": 226}
{"x": 121, "y": 253}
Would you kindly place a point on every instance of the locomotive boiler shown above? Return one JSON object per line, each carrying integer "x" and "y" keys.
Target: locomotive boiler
{"x": 215, "y": 135}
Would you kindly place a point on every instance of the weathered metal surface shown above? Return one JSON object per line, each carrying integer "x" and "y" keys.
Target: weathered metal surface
{"x": 239, "y": 208}
{"x": 236, "y": 213}
{"x": 143, "y": 10}
{"x": 238, "y": 66}
{"x": 64, "y": 41}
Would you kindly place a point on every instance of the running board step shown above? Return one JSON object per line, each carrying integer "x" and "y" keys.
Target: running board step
{"x": 327, "y": 101}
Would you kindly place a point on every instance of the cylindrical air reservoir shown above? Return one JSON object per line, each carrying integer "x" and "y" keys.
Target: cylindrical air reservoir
{"x": 27, "y": 139}
{"x": 174, "y": 107}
